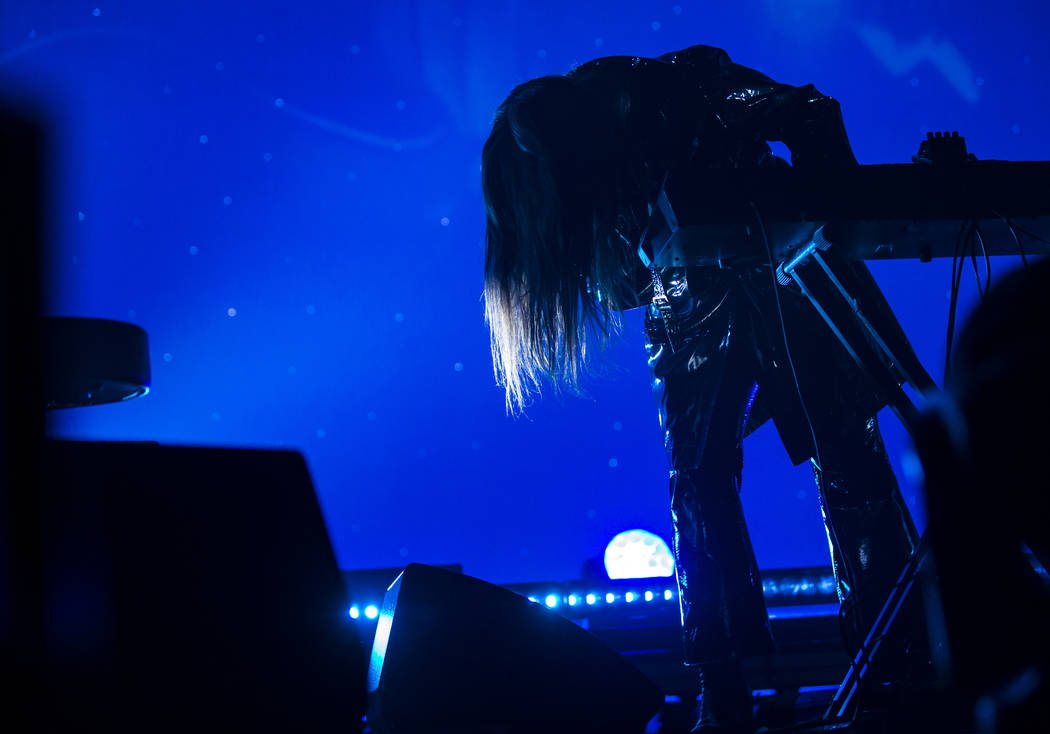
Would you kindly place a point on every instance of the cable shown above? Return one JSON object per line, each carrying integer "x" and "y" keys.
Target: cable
{"x": 958, "y": 258}
{"x": 951, "y": 304}
{"x": 970, "y": 236}
{"x": 987, "y": 262}
{"x": 975, "y": 238}
{"x": 1017, "y": 240}
{"x": 1034, "y": 236}
{"x": 783, "y": 331}
{"x": 976, "y": 273}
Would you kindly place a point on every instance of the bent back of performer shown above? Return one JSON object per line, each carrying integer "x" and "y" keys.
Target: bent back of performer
{"x": 570, "y": 173}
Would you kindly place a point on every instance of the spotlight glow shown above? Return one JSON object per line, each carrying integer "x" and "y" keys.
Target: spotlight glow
{"x": 648, "y": 596}
{"x": 551, "y": 601}
{"x": 354, "y": 613}
{"x": 638, "y": 554}
{"x": 572, "y": 600}
{"x": 591, "y": 599}
{"x": 628, "y": 597}
{"x": 668, "y": 594}
{"x": 610, "y": 598}
{"x": 371, "y": 612}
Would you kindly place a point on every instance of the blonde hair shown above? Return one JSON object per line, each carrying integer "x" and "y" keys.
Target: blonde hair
{"x": 562, "y": 198}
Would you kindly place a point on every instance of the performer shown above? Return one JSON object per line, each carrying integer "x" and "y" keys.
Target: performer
{"x": 570, "y": 173}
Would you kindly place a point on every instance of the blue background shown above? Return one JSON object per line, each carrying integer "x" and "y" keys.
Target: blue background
{"x": 286, "y": 197}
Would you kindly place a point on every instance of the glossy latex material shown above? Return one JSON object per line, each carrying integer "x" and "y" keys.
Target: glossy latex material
{"x": 706, "y": 392}
{"x": 726, "y": 371}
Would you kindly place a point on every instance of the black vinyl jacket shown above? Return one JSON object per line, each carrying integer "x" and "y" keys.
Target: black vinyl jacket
{"x": 731, "y": 111}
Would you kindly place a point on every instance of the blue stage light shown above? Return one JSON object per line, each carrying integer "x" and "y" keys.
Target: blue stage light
{"x": 1034, "y": 562}
{"x": 591, "y": 599}
{"x": 668, "y": 594}
{"x": 610, "y": 598}
{"x": 628, "y": 597}
{"x": 572, "y": 600}
{"x": 648, "y": 596}
{"x": 551, "y": 601}
{"x": 371, "y": 612}
{"x": 799, "y": 611}
{"x": 354, "y": 613}
{"x": 638, "y": 554}
{"x": 534, "y": 600}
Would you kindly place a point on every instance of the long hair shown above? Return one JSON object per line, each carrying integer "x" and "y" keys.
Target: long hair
{"x": 563, "y": 198}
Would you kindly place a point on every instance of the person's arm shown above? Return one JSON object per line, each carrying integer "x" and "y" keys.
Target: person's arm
{"x": 749, "y": 103}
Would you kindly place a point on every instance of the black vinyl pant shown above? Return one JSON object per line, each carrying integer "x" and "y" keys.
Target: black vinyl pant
{"x": 705, "y": 396}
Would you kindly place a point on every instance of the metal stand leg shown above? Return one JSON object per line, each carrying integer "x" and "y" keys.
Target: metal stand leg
{"x": 872, "y": 353}
{"x": 843, "y": 705}
{"x": 858, "y": 335}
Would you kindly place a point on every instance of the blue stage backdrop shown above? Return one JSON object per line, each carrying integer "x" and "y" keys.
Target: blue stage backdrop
{"x": 286, "y": 197}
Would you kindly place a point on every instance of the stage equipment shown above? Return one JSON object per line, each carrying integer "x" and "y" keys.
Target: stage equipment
{"x": 638, "y": 554}
{"x": 455, "y": 654}
{"x": 23, "y": 142}
{"x": 584, "y": 600}
{"x": 193, "y": 589}
{"x": 809, "y": 225}
{"x": 648, "y": 632}
{"x": 872, "y": 212}
{"x": 93, "y": 361}
{"x": 814, "y": 222}
{"x": 368, "y": 585}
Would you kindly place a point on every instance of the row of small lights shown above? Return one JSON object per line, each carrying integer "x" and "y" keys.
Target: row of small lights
{"x": 794, "y": 587}
{"x": 371, "y": 612}
{"x": 551, "y": 601}
{"x": 572, "y": 600}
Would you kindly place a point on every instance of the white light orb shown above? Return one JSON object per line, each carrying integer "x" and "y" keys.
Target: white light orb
{"x": 638, "y": 554}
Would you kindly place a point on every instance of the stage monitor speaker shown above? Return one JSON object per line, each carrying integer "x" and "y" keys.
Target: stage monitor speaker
{"x": 455, "y": 654}
{"x": 24, "y": 143}
{"x": 194, "y": 589}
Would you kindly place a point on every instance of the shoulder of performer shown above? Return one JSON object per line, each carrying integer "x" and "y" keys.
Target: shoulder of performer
{"x": 698, "y": 58}
{"x": 708, "y": 68}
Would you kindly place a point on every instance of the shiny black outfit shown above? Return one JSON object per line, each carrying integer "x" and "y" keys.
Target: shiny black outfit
{"x": 726, "y": 370}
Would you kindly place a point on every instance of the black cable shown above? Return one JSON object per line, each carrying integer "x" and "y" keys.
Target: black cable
{"x": 976, "y": 273}
{"x": 783, "y": 331}
{"x": 951, "y": 305}
{"x": 1034, "y": 236}
{"x": 971, "y": 250}
{"x": 970, "y": 235}
{"x": 967, "y": 248}
{"x": 1017, "y": 240}
{"x": 987, "y": 262}
{"x": 957, "y": 267}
